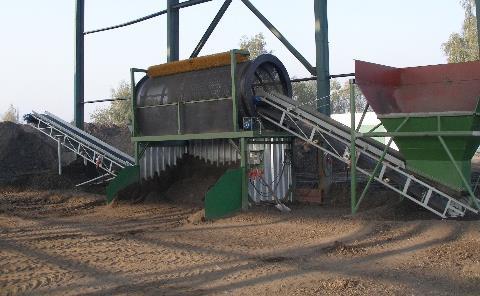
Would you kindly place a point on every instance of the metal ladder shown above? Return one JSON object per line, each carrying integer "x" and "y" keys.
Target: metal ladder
{"x": 91, "y": 149}
{"x": 310, "y": 125}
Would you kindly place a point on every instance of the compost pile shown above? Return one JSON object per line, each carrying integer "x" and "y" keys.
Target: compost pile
{"x": 117, "y": 136}
{"x": 29, "y": 159}
{"x": 24, "y": 151}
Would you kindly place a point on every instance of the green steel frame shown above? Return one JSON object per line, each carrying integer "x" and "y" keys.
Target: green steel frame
{"x": 355, "y": 203}
{"x": 173, "y": 10}
{"x": 142, "y": 142}
{"x": 78, "y": 106}
{"x": 477, "y": 5}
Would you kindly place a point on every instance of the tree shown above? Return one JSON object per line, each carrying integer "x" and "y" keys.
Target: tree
{"x": 256, "y": 45}
{"x": 305, "y": 92}
{"x": 119, "y": 112}
{"x": 11, "y": 115}
{"x": 463, "y": 46}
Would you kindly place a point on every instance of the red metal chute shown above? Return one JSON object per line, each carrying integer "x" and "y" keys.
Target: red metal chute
{"x": 439, "y": 88}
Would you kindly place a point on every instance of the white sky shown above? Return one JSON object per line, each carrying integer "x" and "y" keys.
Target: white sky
{"x": 37, "y": 40}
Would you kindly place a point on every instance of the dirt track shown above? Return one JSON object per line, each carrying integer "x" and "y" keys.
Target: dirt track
{"x": 62, "y": 243}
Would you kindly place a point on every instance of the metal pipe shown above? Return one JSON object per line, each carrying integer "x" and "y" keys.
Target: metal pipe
{"x": 315, "y": 77}
{"x": 79, "y": 64}
{"x": 280, "y": 37}
{"x": 362, "y": 118}
{"x": 189, "y": 3}
{"x": 106, "y": 100}
{"x": 59, "y": 155}
{"x": 372, "y": 129}
{"x": 419, "y": 134}
{"x": 377, "y": 166}
{"x": 210, "y": 28}
{"x": 147, "y": 17}
{"x": 303, "y": 79}
{"x": 322, "y": 57}
{"x": 342, "y": 75}
{"x": 172, "y": 31}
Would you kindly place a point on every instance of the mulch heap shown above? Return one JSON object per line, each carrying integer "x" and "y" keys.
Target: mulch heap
{"x": 28, "y": 158}
{"x": 24, "y": 151}
{"x": 117, "y": 136}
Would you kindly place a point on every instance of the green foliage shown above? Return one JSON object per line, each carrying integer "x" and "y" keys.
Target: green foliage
{"x": 306, "y": 93}
{"x": 256, "y": 45}
{"x": 463, "y": 46}
{"x": 119, "y": 112}
{"x": 11, "y": 115}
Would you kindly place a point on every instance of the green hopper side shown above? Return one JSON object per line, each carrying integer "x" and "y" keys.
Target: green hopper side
{"x": 433, "y": 114}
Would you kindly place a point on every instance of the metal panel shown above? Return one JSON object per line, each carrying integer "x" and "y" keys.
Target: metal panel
{"x": 215, "y": 151}
{"x": 439, "y": 88}
{"x": 207, "y": 117}
{"x": 277, "y": 175}
{"x": 158, "y": 120}
{"x": 157, "y": 158}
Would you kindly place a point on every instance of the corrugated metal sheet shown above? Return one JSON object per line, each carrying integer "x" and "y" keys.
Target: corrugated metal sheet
{"x": 277, "y": 175}
{"x": 157, "y": 158}
{"x": 277, "y": 167}
{"x": 217, "y": 151}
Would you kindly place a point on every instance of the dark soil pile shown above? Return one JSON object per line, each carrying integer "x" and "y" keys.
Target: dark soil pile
{"x": 24, "y": 151}
{"x": 185, "y": 184}
{"x": 72, "y": 174}
{"x": 28, "y": 159}
{"x": 117, "y": 136}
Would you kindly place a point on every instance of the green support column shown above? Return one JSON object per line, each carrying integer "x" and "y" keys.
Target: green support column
{"x": 78, "y": 106}
{"x": 353, "y": 152}
{"x": 233, "y": 75}
{"x": 243, "y": 166}
{"x": 172, "y": 31}
{"x": 322, "y": 57}
{"x": 477, "y": 4}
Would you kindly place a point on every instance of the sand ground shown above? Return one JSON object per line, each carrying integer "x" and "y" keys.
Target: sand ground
{"x": 70, "y": 243}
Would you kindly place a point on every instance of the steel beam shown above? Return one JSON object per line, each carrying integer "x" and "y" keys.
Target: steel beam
{"x": 78, "y": 106}
{"x": 280, "y": 37}
{"x": 477, "y": 4}
{"x": 322, "y": 57}
{"x": 172, "y": 31}
{"x": 353, "y": 150}
{"x": 135, "y": 21}
{"x": 189, "y": 3}
{"x": 243, "y": 166}
{"x": 210, "y": 28}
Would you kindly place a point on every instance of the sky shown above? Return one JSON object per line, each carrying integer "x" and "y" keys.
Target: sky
{"x": 37, "y": 41}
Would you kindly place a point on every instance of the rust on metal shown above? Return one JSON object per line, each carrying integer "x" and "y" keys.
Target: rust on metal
{"x": 438, "y": 88}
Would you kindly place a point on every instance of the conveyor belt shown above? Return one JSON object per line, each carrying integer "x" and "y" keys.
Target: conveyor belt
{"x": 313, "y": 126}
{"x": 92, "y": 149}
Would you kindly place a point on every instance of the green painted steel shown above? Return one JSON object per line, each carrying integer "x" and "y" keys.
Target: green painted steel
{"x": 473, "y": 198}
{"x": 353, "y": 152}
{"x": 322, "y": 56}
{"x": 426, "y": 155}
{"x": 127, "y": 176}
{"x": 208, "y": 136}
{"x": 225, "y": 197}
{"x": 233, "y": 75}
{"x": 210, "y": 28}
{"x": 477, "y": 4}
{"x": 78, "y": 106}
{"x": 280, "y": 37}
{"x": 173, "y": 34}
{"x": 243, "y": 168}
